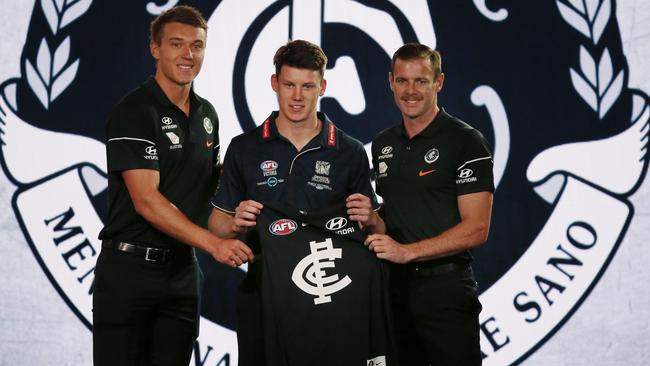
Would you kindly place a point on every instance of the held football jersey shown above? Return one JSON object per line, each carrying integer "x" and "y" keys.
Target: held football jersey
{"x": 324, "y": 294}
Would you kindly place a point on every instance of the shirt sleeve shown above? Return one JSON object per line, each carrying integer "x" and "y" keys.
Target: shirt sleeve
{"x": 474, "y": 171}
{"x": 230, "y": 190}
{"x": 374, "y": 171}
{"x": 361, "y": 176}
{"x": 131, "y": 142}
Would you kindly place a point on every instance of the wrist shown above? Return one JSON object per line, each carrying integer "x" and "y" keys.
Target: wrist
{"x": 236, "y": 229}
{"x": 410, "y": 252}
{"x": 372, "y": 219}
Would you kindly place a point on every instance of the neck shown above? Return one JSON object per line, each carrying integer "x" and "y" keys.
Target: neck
{"x": 415, "y": 125}
{"x": 299, "y": 133}
{"x": 177, "y": 94}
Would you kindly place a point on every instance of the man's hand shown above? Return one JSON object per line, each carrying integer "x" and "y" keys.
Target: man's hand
{"x": 360, "y": 210}
{"x": 231, "y": 252}
{"x": 246, "y": 215}
{"x": 387, "y": 248}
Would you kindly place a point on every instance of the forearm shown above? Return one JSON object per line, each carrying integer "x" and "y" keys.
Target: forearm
{"x": 461, "y": 237}
{"x": 221, "y": 224}
{"x": 378, "y": 225}
{"x": 168, "y": 219}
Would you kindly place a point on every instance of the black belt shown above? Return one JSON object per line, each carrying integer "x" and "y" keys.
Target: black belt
{"x": 150, "y": 254}
{"x": 426, "y": 269}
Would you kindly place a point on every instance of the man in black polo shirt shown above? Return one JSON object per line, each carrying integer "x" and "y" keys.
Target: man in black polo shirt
{"x": 296, "y": 156}
{"x": 162, "y": 149}
{"x": 434, "y": 173}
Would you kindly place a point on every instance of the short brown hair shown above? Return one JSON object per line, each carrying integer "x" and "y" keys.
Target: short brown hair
{"x": 301, "y": 54}
{"x": 180, "y": 14}
{"x": 411, "y": 51}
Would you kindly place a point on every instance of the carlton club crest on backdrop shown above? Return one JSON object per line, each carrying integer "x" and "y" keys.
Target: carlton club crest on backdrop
{"x": 546, "y": 83}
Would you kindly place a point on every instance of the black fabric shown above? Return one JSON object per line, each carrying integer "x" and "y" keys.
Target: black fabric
{"x": 346, "y": 327}
{"x": 146, "y": 130}
{"x": 436, "y": 317}
{"x": 144, "y": 313}
{"x": 433, "y": 165}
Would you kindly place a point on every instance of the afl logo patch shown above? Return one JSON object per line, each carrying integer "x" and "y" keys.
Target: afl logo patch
{"x": 283, "y": 227}
{"x": 269, "y": 165}
{"x": 431, "y": 155}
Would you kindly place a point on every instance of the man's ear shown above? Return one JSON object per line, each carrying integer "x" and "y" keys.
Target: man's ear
{"x": 323, "y": 86}
{"x": 274, "y": 83}
{"x": 440, "y": 80}
{"x": 154, "y": 48}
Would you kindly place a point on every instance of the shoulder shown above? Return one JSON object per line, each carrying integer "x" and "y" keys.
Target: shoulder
{"x": 348, "y": 143}
{"x": 462, "y": 129}
{"x": 136, "y": 101}
{"x": 386, "y": 134}
{"x": 244, "y": 141}
{"x": 207, "y": 107}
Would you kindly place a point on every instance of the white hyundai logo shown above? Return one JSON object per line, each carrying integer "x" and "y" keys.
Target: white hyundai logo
{"x": 336, "y": 223}
{"x": 387, "y": 150}
{"x": 167, "y": 120}
{"x": 465, "y": 173}
{"x": 151, "y": 150}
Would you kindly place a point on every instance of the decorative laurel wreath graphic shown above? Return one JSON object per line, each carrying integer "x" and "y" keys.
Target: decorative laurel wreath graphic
{"x": 595, "y": 82}
{"x": 54, "y": 72}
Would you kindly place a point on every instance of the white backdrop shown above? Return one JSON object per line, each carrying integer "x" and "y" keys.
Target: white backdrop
{"x": 611, "y": 327}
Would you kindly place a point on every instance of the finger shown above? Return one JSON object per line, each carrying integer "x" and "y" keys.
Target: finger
{"x": 246, "y": 215}
{"x": 357, "y": 211}
{"x": 236, "y": 260}
{"x": 254, "y": 204}
{"x": 244, "y": 249}
{"x": 241, "y": 255}
{"x": 353, "y": 197}
{"x": 372, "y": 237}
{"x": 360, "y": 218}
{"x": 244, "y": 223}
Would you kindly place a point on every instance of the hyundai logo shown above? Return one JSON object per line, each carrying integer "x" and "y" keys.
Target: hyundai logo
{"x": 465, "y": 173}
{"x": 336, "y": 223}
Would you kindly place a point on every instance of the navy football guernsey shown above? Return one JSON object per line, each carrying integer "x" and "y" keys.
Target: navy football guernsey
{"x": 324, "y": 293}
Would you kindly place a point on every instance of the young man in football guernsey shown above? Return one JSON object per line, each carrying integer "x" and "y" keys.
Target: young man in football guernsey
{"x": 434, "y": 173}
{"x": 162, "y": 149}
{"x": 296, "y": 156}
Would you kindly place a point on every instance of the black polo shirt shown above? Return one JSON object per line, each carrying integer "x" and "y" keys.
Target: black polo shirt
{"x": 421, "y": 178}
{"x": 147, "y": 131}
{"x": 262, "y": 165}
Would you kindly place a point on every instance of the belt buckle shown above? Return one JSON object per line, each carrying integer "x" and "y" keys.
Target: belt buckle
{"x": 155, "y": 255}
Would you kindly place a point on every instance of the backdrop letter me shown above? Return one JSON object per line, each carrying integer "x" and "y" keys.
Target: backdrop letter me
{"x": 558, "y": 87}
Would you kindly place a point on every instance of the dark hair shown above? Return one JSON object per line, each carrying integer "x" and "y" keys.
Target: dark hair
{"x": 180, "y": 14}
{"x": 300, "y": 54}
{"x": 411, "y": 51}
